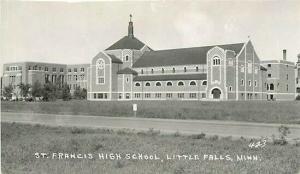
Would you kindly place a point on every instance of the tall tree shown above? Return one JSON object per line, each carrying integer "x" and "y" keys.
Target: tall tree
{"x": 66, "y": 95}
{"x": 37, "y": 89}
{"x": 7, "y": 92}
{"x": 24, "y": 89}
{"x": 49, "y": 92}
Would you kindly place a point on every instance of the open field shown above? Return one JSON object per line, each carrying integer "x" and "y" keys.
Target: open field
{"x": 252, "y": 111}
{"x": 21, "y": 142}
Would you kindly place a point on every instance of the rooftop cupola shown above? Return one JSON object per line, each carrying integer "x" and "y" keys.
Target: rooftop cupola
{"x": 130, "y": 27}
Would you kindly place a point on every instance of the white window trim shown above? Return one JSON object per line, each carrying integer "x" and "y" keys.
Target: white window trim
{"x": 203, "y": 82}
{"x": 158, "y": 82}
{"x": 137, "y": 83}
{"x": 191, "y": 82}
{"x": 168, "y": 82}
{"x": 146, "y": 83}
{"x": 180, "y": 85}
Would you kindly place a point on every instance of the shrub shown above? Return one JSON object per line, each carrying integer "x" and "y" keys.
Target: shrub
{"x": 283, "y": 132}
{"x": 198, "y": 136}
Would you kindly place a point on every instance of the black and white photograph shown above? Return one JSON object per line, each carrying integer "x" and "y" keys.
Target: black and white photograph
{"x": 150, "y": 87}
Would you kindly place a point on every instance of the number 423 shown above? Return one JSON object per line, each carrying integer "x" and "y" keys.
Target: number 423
{"x": 260, "y": 143}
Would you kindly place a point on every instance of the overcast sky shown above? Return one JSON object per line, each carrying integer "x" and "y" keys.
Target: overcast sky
{"x": 64, "y": 32}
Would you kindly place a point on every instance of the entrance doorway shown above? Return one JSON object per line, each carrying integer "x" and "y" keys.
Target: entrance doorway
{"x": 216, "y": 93}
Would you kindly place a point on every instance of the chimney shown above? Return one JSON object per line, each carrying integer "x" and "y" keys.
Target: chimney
{"x": 284, "y": 54}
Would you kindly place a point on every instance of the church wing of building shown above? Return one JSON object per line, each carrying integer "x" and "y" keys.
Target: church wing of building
{"x": 131, "y": 70}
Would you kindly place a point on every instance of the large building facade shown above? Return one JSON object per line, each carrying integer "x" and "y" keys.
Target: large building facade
{"x": 131, "y": 70}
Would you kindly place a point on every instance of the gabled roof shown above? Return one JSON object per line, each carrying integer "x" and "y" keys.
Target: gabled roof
{"x": 171, "y": 77}
{"x": 182, "y": 56}
{"x": 127, "y": 42}
{"x": 127, "y": 71}
{"x": 114, "y": 59}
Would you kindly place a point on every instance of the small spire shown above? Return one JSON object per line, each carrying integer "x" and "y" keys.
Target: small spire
{"x": 130, "y": 27}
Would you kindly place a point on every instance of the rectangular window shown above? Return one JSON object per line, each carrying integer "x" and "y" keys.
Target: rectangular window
{"x": 54, "y": 69}
{"x": 100, "y": 80}
{"x": 81, "y": 69}
{"x": 137, "y": 95}
{"x": 269, "y": 75}
{"x": 75, "y": 69}
{"x": 75, "y": 77}
{"x": 193, "y": 95}
{"x": 249, "y": 82}
{"x": 120, "y": 95}
{"x": 61, "y": 70}
{"x": 180, "y": 95}
{"x": 95, "y": 95}
{"x": 203, "y": 95}
{"x": 269, "y": 65}
{"x": 127, "y": 95}
{"x": 100, "y": 95}
{"x": 157, "y": 95}
{"x": 69, "y": 70}
{"x": 169, "y": 95}
{"x": 46, "y": 68}
{"x": 287, "y": 87}
{"x": 147, "y": 95}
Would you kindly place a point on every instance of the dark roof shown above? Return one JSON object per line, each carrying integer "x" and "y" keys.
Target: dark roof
{"x": 171, "y": 77}
{"x": 114, "y": 59}
{"x": 127, "y": 43}
{"x": 263, "y": 68}
{"x": 182, "y": 56}
{"x": 127, "y": 71}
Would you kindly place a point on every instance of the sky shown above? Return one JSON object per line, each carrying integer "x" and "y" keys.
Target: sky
{"x": 73, "y": 32}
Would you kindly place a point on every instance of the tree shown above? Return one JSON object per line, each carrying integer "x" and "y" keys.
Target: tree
{"x": 8, "y": 90}
{"x": 83, "y": 93}
{"x": 66, "y": 95}
{"x": 37, "y": 89}
{"x": 24, "y": 89}
{"x": 49, "y": 92}
{"x": 80, "y": 93}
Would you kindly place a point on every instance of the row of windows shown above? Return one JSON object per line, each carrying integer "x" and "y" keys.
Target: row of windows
{"x": 100, "y": 95}
{"x": 75, "y": 70}
{"x": 249, "y": 83}
{"x": 174, "y": 70}
{"x": 170, "y": 95}
{"x": 13, "y": 68}
{"x": 180, "y": 83}
{"x": 75, "y": 77}
{"x": 270, "y": 76}
{"x": 271, "y": 87}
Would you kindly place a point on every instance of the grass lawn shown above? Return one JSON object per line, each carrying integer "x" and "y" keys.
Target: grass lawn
{"x": 21, "y": 142}
{"x": 252, "y": 111}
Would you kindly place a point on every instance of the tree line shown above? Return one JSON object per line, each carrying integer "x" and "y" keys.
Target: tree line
{"x": 47, "y": 92}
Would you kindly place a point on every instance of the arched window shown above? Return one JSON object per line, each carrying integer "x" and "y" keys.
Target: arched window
{"x": 197, "y": 68}
{"x": 169, "y": 84}
{"x": 100, "y": 71}
{"x": 204, "y": 83}
{"x": 192, "y": 83}
{"x": 180, "y": 83}
{"x": 158, "y": 84}
{"x": 162, "y": 70}
{"x": 242, "y": 81}
{"x": 126, "y": 58}
{"x": 152, "y": 71}
{"x": 137, "y": 84}
{"x": 173, "y": 70}
{"x": 230, "y": 88}
{"x": 184, "y": 69}
{"x": 216, "y": 60}
{"x": 147, "y": 84}
{"x": 271, "y": 86}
